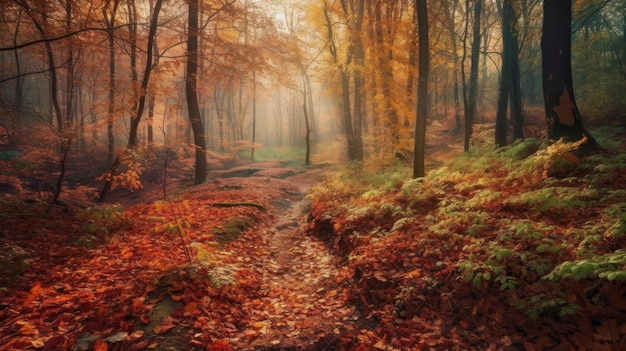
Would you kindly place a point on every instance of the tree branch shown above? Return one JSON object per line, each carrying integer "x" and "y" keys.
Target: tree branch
{"x": 60, "y": 37}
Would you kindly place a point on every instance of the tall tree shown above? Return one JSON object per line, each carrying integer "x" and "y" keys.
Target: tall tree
{"x": 134, "y": 123}
{"x": 109, "y": 12}
{"x": 563, "y": 117}
{"x": 470, "y": 94}
{"x": 509, "y": 78}
{"x": 422, "y": 89}
{"x": 449, "y": 15}
{"x": 191, "y": 92}
{"x": 352, "y": 128}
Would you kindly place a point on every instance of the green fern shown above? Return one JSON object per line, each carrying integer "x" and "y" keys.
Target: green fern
{"x": 610, "y": 266}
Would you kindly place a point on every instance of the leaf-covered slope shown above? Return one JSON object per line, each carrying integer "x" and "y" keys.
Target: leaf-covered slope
{"x": 521, "y": 248}
{"x": 159, "y": 276}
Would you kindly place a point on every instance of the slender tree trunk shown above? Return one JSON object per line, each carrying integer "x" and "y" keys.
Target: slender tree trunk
{"x": 505, "y": 74}
{"x": 132, "y": 34}
{"x": 470, "y": 106}
{"x": 134, "y": 125}
{"x": 311, "y": 110}
{"x": 450, "y": 15}
{"x": 305, "y": 110}
{"x": 151, "y": 119}
{"x": 19, "y": 81}
{"x": 355, "y": 146}
{"x": 253, "y": 114}
{"x": 109, "y": 18}
{"x": 219, "y": 110}
{"x": 54, "y": 91}
{"x": 384, "y": 58}
{"x": 517, "y": 113}
{"x": 422, "y": 89}
{"x": 69, "y": 78}
{"x": 562, "y": 115}
{"x": 191, "y": 92}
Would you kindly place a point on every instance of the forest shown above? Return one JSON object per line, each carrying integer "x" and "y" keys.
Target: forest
{"x": 312, "y": 175}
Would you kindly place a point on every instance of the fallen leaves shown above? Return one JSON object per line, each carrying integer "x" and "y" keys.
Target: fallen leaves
{"x": 167, "y": 324}
{"x": 271, "y": 287}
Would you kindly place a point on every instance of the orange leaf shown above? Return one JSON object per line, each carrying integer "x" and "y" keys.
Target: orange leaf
{"x": 126, "y": 253}
{"x": 101, "y": 345}
{"x": 190, "y": 307}
{"x": 464, "y": 324}
{"x": 28, "y": 329}
{"x": 167, "y": 324}
{"x": 414, "y": 274}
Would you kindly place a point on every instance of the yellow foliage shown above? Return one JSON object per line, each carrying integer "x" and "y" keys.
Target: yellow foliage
{"x": 129, "y": 177}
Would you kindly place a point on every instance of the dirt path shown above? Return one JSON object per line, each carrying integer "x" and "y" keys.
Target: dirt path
{"x": 303, "y": 308}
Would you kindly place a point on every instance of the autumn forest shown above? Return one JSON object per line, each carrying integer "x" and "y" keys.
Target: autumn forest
{"x": 312, "y": 175}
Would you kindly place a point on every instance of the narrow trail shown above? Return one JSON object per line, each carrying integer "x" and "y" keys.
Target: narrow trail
{"x": 303, "y": 308}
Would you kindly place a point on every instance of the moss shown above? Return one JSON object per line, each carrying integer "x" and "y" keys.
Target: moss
{"x": 231, "y": 230}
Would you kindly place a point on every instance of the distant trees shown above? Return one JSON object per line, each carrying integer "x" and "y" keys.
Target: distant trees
{"x": 79, "y": 64}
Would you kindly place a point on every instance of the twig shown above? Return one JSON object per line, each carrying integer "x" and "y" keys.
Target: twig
{"x": 235, "y": 204}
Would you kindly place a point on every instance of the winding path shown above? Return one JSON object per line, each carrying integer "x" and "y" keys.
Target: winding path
{"x": 303, "y": 307}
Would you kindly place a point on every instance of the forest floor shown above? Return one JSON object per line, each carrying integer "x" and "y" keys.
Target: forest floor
{"x": 278, "y": 256}
{"x": 246, "y": 277}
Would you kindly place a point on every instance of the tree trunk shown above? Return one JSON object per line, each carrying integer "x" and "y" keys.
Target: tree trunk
{"x": 455, "y": 61}
{"x": 353, "y": 131}
{"x": 472, "y": 92}
{"x": 517, "y": 116}
{"x": 109, "y": 18}
{"x": 134, "y": 125}
{"x": 69, "y": 78}
{"x": 150, "y": 119}
{"x": 422, "y": 89}
{"x": 191, "y": 92}
{"x": 54, "y": 93}
{"x": 505, "y": 75}
{"x": 305, "y": 110}
{"x": 19, "y": 81}
{"x": 562, "y": 115}
{"x": 132, "y": 34}
{"x": 311, "y": 109}
{"x": 253, "y": 114}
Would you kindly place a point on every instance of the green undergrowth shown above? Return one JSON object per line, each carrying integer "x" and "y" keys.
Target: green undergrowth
{"x": 525, "y": 221}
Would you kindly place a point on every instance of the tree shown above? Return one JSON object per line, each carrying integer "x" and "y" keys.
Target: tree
{"x": 353, "y": 130}
{"x": 190, "y": 91}
{"x": 109, "y": 11}
{"x": 422, "y": 89}
{"x": 509, "y": 78}
{"x": 470, "y": 92}
{"x": 449, "y": 15}
{"x": 563, "y": 117}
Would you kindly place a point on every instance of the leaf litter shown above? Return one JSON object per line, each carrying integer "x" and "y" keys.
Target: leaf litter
{"x": 376, "y": 270}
